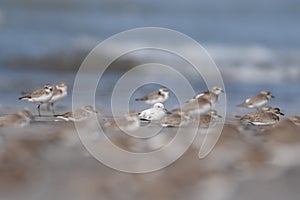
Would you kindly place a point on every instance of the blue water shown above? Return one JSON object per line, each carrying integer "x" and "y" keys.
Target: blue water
{"x": 255, "y": 44}
{"x": 38, "y": 27}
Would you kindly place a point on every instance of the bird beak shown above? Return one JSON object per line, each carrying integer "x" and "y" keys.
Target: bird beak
{"x": 168, "y": 112}
{"x": 219, "y": 116}
{"x": 281, "y": 113}
{"x": 222, "y": 91}
{"x": 272, "y": 96}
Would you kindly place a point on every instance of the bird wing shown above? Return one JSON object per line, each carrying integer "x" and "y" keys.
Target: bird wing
{"x": 152, "y": 95}
{"x": 37, "y": 93}
{"x": 256, "y": 98}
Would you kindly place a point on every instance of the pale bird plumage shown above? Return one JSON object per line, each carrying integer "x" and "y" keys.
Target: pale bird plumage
{"x": 157, "y": 112}
{"x": 265, "y": 116}
{"x": 160, "y": 96}
{"x": 197, "y": 107}
{"x": 78, "y": 115}
{"x": 40, "y": 96}
{"x": 211, "y": 95}
{"x": 60, "y": 91}
{"x": 258, "y": 100}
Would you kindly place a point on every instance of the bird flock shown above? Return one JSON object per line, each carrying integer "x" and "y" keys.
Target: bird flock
{"x": 198, "y": 110}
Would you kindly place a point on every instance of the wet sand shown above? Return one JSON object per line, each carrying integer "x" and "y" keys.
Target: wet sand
{"x": 46, "y": 160}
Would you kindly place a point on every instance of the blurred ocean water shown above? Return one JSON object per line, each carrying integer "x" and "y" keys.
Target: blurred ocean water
{"x": 255, "y": 44}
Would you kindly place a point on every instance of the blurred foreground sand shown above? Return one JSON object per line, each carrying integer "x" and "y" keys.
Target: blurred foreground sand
{"x": 46, "y": 160}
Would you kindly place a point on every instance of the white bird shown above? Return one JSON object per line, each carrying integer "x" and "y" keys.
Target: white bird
{"x": 157, "y": 112}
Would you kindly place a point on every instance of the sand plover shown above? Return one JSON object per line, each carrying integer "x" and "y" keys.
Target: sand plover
{"x": 19, "y": 119}
{"x": 176, "y": 119}
{"x": 60, "y": 91}
{"x": 197, "y": 107}
{"x": 211, "y": 95}
{"x": 40, "y": 96}
{"x": 130, "y": 122}
{"x": 208, "y": 119}
{"x": 155, "y": 97}
{"x": 266, "y": 116}
{"x": 157, "y": 112}
{"x": 258, "y": 100}
{"x": 77, "y": 115}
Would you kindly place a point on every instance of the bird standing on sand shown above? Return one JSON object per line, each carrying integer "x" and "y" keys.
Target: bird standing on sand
{"x": 258, "y": 100}
{"x": 60, "y": 91}
{"x": 155, "y": 97}
{"x": 211, "y": 95}
{"x": 197, "y": 107}
{"x": 40, "y": 96}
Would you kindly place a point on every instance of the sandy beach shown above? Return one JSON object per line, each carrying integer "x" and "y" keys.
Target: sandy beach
{"x": 47, "y": 160}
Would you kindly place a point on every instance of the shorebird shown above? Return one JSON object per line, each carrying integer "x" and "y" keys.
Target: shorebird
{"x": 78, "y": 115}
{"x": 157, "y": 112}
{"x": 208, "y": 119}
{"x": 60, "y": 91}
{"x": 155, "y": 97}
{"x": 176, "y": 119}
{"x": 266, "y": 116}
{"x": 40, "y": 96}
{"x": 197, "y": 107}
{"x": 211, "y": 95}
{"x": 257, "y": 101}
{"x": 130, "y": 122}
{"x": 19, "y": 119}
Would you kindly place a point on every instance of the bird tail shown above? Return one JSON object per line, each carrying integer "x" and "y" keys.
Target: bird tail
{"x": 61, "y": 117}
{"x": 242, "y": 105}
{"x": 140, "y": 99}
{"x": 25, "y": 97}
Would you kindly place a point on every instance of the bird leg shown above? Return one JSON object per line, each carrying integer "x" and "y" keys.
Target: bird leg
{"x": 39, "y": 109}
{"x": 52, "y": 105}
